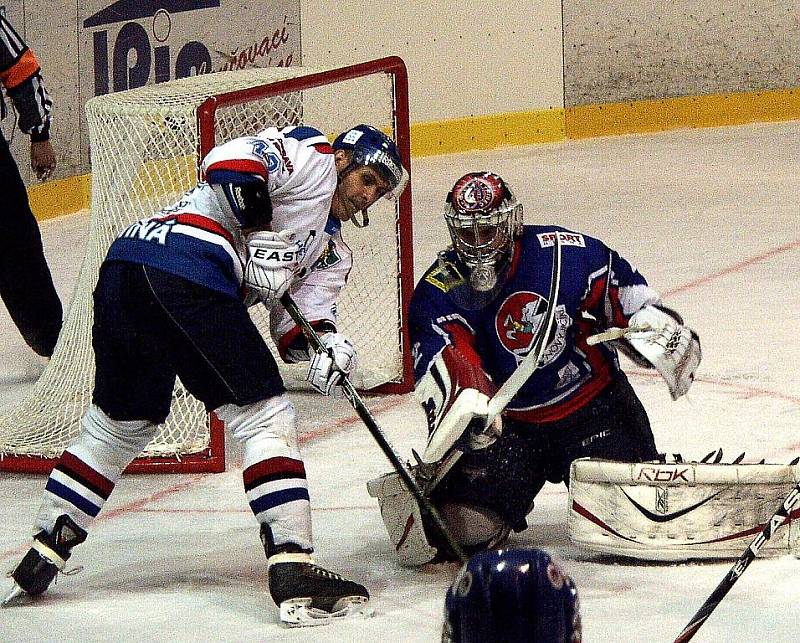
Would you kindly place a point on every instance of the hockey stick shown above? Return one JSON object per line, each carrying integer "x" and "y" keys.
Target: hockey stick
{"x": 773, "y": 524}
{"x": 528, "y": 365}
{"x": 616, "y": 333}
{"x": 525, "y": 369}
{"x": 366, "y": 417}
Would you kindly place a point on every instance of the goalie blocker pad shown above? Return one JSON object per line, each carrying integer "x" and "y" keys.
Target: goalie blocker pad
{"x": 678, "y": 511}
{"x": 452, "y": 393}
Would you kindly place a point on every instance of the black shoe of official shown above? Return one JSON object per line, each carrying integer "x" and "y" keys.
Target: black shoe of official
{"x": 47, "y": 556}
{"x": 293, "y": 575}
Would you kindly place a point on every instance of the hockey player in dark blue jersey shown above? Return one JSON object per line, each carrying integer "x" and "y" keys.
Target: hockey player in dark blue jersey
{"x": 475, "y": 315}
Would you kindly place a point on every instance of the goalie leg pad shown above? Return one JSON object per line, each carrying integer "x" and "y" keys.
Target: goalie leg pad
{"x": 677, "y": 511}
{"x": 505, "y": 477}
{"x": 474, "y": 527}
{"x": 403, "y": 519}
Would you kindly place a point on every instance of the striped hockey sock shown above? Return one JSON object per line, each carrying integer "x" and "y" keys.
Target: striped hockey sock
{"x": 277, "y": 491}
{"x": 76, "y": 489}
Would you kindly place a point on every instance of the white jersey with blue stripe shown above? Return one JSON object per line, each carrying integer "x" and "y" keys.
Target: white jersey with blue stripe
{"x": 199, "y": 239}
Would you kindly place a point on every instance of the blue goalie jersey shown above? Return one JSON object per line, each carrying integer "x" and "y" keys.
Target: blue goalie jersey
{"x": 598, "y": 289}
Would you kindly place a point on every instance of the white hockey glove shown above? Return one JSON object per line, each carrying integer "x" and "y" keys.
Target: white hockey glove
{"x": 273, "y": 260}
{"x": 672, "y": 348}
{"x": 325, "y": 372}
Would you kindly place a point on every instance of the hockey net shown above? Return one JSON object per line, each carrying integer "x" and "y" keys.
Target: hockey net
{"x": 146, "y": 145}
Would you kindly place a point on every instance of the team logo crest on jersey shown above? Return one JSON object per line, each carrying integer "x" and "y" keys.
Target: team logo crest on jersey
{"x": 520, "y": 320}
{"x": 329, "y": 257}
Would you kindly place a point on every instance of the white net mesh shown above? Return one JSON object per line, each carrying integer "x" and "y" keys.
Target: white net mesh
{"x": 144, "y": 150}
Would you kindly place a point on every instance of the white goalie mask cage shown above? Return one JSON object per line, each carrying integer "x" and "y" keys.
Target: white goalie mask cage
{"x": 483, "y": 217}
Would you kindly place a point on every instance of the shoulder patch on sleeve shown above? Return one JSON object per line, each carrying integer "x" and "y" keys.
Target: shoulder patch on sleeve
{"x": 309, "y": 135}
{"x": 547, "y": 239}
{"x": 445, "y": 276}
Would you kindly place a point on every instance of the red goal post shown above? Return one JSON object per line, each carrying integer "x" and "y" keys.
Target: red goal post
{"x": 146, "y": 146}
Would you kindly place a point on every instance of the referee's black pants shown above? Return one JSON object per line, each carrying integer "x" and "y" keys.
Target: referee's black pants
{"x": 26, "y": 285}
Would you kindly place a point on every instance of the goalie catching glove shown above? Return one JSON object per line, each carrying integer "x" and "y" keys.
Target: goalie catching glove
{"x": 273, "y": 261}
{"x": 658, "y": 335}
{"x": 329, "y": 366}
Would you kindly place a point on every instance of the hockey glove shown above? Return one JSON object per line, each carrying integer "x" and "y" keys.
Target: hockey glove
{"x": 328, "y": 367}
{"x": 672, "y": 348}
{"x": 273, "y": 260}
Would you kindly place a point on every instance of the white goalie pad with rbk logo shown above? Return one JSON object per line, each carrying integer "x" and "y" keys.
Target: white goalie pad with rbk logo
{"x": 679, "y": 511}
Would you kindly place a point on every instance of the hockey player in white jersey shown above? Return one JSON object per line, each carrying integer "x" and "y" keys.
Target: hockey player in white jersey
{"x": 172, "y": 299}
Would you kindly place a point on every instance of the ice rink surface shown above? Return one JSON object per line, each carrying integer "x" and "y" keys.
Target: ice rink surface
{"x": 709, "y": 216}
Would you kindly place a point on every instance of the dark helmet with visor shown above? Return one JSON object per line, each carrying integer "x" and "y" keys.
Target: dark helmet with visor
{"x": 512, "y": 595}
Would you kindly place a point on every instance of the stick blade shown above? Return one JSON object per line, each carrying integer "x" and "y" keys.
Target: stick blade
{"x": 13, "y": 596}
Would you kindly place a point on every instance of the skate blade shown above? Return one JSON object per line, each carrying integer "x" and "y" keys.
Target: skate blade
{"x": 14, "y": 596}
{"x": 297, "y": 612}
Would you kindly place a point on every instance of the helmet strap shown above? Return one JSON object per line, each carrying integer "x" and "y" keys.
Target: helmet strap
{"x": 364, "y": 219}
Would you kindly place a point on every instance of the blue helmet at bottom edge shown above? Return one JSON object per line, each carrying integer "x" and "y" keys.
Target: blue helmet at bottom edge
{"x": 512, "y": 595}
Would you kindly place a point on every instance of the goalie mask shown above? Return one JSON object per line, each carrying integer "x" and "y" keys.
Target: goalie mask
{"x": 512, "y": 595}
{"x": 484, "y": 217}
{"x": 371, "y": 147}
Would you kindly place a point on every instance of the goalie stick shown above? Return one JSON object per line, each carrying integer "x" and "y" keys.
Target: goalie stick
{"x": 780, "y": 517}
{"x": 525, "y": 369}
{"x": 371, "y": 424}
{"x": 616, "y": 333}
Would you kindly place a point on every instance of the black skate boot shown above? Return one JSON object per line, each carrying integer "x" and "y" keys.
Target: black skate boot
{"x": 305, "y": 593}
{"x": 45, "y": 559}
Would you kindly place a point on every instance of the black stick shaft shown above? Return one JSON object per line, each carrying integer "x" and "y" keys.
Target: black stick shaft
{"x": 366, "y": 417}
{"x": 773, "y": 524}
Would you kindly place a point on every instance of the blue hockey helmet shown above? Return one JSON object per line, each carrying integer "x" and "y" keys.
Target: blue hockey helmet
{"x": 512, "y": 595}
{"x": 372, "y": 147}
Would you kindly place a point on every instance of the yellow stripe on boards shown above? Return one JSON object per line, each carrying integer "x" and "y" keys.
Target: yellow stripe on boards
{"x": 713, "y": 110}
{"x": 487, "y": 132}
{"x": 60, "y": 196}
{"x": 64, "y": 196}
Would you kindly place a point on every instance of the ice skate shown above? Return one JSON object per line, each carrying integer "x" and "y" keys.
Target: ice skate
{"x": 307, "y": 594}
{"x": 44, "y": 560}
